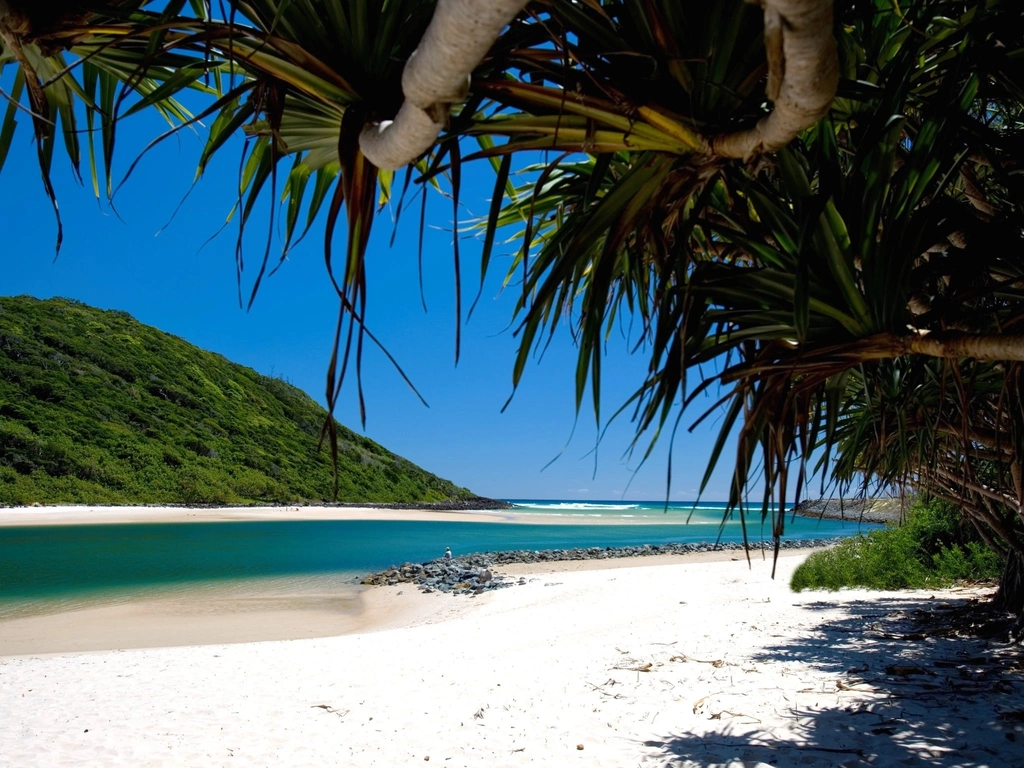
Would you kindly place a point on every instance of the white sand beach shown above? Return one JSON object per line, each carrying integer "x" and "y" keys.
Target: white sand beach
{"x": 680, "y": 663}
{"x": 94, "y": 515}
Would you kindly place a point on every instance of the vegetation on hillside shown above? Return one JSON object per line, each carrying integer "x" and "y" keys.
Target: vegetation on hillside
{"x": 96, "y": 407}
{"x": 934, "y": 547}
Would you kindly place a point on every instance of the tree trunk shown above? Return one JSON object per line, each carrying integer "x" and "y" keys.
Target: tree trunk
{"x": 457, "y": 39}
{"x": 945, "y": 344}
{"x": 958, "y": 345}
{"x": 1010, "y": 596}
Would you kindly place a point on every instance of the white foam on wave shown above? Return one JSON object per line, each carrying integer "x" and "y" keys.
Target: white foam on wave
{"x": 581, "y": 506}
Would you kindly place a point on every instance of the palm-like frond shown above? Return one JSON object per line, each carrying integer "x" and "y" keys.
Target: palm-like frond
{"x": 796, "y": 272}
{"x": 100, "y": 62}
{"x": 950, "y": 428}
{"x": 314, "y": 74}
{"x": 298, "y": 79}
{"x": 638, "y": 75}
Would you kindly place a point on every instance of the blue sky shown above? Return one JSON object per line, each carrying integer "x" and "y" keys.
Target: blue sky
{"x": 160, "y": 275}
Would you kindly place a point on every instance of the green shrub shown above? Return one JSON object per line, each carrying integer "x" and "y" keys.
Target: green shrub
{"x": 973, "y": 561}
{"x": 934, "y": 547}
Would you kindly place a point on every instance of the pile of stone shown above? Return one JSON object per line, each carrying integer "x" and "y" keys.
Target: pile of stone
{"x": 604, "y": 553}
{"x": 459, "y": 576}
{"x": 473, "y": 574}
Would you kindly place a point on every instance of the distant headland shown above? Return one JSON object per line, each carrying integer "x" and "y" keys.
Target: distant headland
{"x": 97, "y": 408}
{"x": 884, "y": 509}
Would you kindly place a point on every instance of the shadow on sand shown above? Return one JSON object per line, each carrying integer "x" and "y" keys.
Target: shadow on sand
{"x": 910, "y": 682}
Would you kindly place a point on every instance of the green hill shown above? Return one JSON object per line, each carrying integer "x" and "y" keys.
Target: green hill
{"x": 97, "y": 408}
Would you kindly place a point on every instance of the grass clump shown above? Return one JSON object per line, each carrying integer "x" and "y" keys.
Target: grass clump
{"x": 935, "y": 547}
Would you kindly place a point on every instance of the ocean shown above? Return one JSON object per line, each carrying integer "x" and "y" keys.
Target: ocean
{"x": 704, "y": 513}
{"x": 59, "y": 567}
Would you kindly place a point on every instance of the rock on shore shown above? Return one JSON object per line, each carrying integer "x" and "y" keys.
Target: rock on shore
{"x": 880, "y": 510}
{"x": 473, "y": 574}
{"x": 461, "y": 576}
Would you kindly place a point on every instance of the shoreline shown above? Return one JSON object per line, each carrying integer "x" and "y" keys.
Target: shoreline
{"x": 217, "y": 616}
{"x": 477, "y": 573}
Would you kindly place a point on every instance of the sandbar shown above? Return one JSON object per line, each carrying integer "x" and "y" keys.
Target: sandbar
{"x": 96, "y": 515}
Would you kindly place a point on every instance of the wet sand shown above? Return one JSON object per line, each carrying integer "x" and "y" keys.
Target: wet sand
{"x": 265, "y": 610}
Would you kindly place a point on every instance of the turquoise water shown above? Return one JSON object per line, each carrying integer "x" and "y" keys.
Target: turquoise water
{"x": 52, "y": 567}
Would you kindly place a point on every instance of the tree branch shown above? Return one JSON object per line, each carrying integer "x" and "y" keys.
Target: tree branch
{"x": 803, "y": 73}
{"x": 809, "y": 67}
{"x": 437, "y": 75}
{"x": 998, "y": 445}
{"x": 939, "y": 483}
{"x": 980, "y": 517}
{"x": 945, "y": 344}
{"x": 982, "y": 490}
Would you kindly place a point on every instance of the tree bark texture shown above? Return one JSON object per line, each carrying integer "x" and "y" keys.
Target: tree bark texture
{"x": 947, "y": 344}
{"x": 437, "y": 75}
{"x": 1010, "y": 596}
{"x": 803, "y": 76}
{"x": 961, "y": 345}
{"x": 803, "y": 73}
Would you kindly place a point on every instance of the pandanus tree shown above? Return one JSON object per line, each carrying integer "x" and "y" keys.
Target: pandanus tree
{"x": 950, "y": 428}
{"x": 795, "y": 200}
{"x": 890, "y": 231}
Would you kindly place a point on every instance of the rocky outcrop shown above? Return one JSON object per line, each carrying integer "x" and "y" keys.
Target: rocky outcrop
{"x": 879, "y": 510}
{"x": 473, "y": 574}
